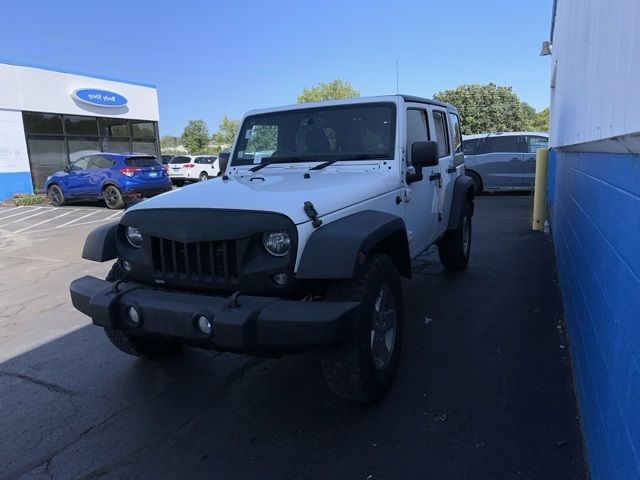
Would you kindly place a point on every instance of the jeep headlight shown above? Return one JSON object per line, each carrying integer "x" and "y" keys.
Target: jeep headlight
{"x": 277, "y": 244}
{"x": 134, "y": 236}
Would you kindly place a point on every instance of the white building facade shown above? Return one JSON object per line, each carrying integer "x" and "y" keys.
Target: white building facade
{"x": 594, "y": 193}
{"x": 49, "y": 118}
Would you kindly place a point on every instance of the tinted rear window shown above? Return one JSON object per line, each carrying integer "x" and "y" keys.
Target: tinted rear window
{"x": 180, "y": 160}
{"x": 141, "y": 162}
{"x": 507, "y": 143}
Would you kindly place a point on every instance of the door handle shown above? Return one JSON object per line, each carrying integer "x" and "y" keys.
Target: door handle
{"x": 531, "y": 159}
{"x": 451, "y": 169}
{"x": 435, "y": 176}
{"x": 516, "y": 159}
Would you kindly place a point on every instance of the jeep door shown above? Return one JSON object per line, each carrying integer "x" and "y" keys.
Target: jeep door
{"x": 499, "y": 161}
{"x": 446, "y": 132}
{"x": 421, "y": 204}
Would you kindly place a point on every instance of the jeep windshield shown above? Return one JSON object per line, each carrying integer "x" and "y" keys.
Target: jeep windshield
{"x": 345, "y": 132}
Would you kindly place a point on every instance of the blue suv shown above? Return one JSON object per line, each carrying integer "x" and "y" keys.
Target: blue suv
{"x": 116, "y": 178}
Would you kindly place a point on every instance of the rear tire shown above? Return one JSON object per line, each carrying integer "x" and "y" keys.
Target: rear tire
{"x": 144, "y": 347}
{"x": 113, "y": 197}
{"x": 454, "y": 248}
{"x": 363, "y": 369}
{"x": 55, "y": 195}
{"x": 203, "y": 176}
{"x": 477, "y": 182}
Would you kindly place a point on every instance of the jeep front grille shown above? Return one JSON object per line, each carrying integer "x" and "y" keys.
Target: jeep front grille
{"x": 202, "y": 260}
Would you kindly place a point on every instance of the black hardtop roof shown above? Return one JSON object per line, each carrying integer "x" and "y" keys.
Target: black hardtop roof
{"x": 413, "y": 98}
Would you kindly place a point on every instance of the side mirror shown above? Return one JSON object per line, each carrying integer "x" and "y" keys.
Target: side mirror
{"x": 65, "y": 169}
{"x": 424, "y": 154}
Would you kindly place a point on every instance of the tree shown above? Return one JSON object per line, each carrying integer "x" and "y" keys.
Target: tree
{"x": 169, "y": 141}
{"x": 226, "y": 134}
{"x": 489, "y": 108}
{"x": 328, "y": 91}
{"x": 195, "y": 136}
{"x": 541, "y": 121}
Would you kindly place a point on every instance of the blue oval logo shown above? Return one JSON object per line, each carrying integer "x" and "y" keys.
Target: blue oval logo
{"x": 100, "y": 98}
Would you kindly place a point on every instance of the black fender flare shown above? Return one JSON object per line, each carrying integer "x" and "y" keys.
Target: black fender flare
{"x": 338, "y": 250}
{"x": 462, "y": 193}
{"x": 100, "y": 245}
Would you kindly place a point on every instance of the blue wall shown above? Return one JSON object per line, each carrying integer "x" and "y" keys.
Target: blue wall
{"x": 14, "y": 182}
{"x": 596, "y": 228}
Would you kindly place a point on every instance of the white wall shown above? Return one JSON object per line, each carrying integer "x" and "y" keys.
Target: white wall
{"x": 13, "y": 147}
{"x": 596, "y": 75}
{"x": 39, "y": 90}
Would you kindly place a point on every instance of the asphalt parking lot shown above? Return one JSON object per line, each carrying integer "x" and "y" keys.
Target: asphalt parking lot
{"x": 484, "y": 388}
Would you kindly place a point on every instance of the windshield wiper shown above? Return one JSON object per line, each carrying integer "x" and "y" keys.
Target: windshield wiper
{"x": 272, "y": 160}
{"x": 359, "y": 156}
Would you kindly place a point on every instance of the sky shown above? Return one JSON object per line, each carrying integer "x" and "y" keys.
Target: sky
{"x": 213, "y": 58}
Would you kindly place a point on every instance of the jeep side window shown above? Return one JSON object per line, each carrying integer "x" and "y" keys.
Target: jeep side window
{"x": 417, "y": 129}
{"x": 457, "y": 133}
{"x": 442, "y": 137}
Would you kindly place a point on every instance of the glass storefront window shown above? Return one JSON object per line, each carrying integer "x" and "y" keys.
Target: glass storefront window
{"x": 42, "y": 123}
{"x": 79, "y": 147}
{"x": 115, "y": 145}
{"x": 142, "y": 129}
{"x": 145, "y": 147}
{"x": 47, "y": 156}
{"x": 113, "y": 127}
{"x": 55, "y": 140}
{"x": 77, "y": 125}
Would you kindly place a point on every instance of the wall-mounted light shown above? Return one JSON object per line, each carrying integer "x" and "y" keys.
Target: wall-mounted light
{"x": 546, "y": 48}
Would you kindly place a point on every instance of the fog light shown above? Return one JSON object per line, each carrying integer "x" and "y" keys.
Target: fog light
{"x": 126, "y": 265}
{"x": 280, "y": 279}
{"x": 134, "y": 315}
{"x": 204, "y": 324}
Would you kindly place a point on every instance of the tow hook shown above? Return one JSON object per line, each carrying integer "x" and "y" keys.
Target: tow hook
{"x": 311, "y": 212}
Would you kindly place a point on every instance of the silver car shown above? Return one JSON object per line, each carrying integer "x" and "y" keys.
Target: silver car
{"x": 503, "y": 160}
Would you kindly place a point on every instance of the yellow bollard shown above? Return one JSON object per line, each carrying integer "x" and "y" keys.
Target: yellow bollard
{"x": 540, "y": 191}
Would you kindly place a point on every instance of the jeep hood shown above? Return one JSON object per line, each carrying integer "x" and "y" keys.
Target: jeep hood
{"x": 282, "y": 192}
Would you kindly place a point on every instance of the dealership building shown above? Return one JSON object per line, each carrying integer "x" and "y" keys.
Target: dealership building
{"x": 51, "y": 117}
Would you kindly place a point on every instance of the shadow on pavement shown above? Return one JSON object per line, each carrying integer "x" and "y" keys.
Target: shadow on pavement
{"x": 484, "y": 391}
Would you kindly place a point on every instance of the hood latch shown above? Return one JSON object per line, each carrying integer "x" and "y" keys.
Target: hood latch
{"x": 311, "y": 212}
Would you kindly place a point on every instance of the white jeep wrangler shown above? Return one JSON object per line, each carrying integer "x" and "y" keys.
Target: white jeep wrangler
{"x": 300, "y": 245}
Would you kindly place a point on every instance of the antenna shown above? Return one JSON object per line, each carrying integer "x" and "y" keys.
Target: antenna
{"x": 397, "y": 80}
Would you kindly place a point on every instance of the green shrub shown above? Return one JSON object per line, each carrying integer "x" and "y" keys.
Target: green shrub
{"x": 26, "y": 199}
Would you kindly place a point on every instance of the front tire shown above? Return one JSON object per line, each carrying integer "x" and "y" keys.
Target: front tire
{"x": 363, "y": 370}
{"x": 113, "y": 197}
{"x": 55, "y": 195}
{"x": 143, "y": 347}
{"x": 454, "y": 248}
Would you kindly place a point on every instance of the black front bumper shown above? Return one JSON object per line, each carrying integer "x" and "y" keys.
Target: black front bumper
{"x": 249, "y": 324}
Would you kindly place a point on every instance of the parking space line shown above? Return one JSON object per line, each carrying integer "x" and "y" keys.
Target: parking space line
{"x": 33, "y": 209}
{"x": 79, "y": 218}
{"x": 47, "y": 220}
{"x": 13, "y": 209}
{"x": 73, "y": 225}
{"x": 114, "y": 215}
{"x": 23, "y": 218}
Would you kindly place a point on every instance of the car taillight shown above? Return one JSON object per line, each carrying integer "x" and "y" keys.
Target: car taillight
{"x": 129, "y": 171}
{"x": 189, "y": 165}
{"x": 165, "y": 168}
